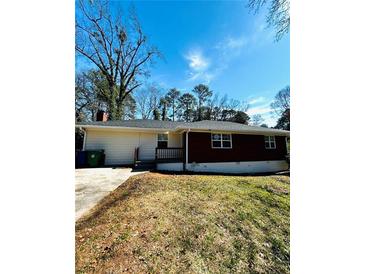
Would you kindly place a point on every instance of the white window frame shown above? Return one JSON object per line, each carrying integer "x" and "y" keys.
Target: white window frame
{"x": 271, "y": 141}
{"x": 158, "y": 139}
{"x": 221, "y": 140}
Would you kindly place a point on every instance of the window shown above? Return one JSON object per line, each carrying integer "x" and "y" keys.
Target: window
{"x": 162, "y": 140}
{"x": 270, "y": 142}
{"x": 221, "y": 140}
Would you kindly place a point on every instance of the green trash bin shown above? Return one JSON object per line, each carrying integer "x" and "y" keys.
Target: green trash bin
{"x": 95, "y": 158}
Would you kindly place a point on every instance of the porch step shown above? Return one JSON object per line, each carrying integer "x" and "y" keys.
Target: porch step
{"x": 145, "y": 165}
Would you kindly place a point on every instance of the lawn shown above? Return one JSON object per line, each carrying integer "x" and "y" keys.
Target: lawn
{"x": 157, "y": 223}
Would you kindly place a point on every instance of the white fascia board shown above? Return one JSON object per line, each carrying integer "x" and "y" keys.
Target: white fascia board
{"x": 250, "y": 132}
{"x": 180, "y": 130}
{"x": 127, "y": 128}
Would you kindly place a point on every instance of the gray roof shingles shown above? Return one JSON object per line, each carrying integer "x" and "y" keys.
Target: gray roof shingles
{"x": 139, "y": 123}
{"x": 200, "y": 125}
{"x": 229, "y": 126}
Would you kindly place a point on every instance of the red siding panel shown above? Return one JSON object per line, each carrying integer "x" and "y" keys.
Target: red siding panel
{"x": 244, "y": 148}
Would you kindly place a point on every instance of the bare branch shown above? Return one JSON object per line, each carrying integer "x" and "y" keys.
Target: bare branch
{"x": 119, "y": 49}
{"x": 278, "y": 14}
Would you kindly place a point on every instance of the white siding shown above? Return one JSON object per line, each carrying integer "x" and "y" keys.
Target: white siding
{"x": 147, "y": 146}
{"x": 119, "y": 146}
{"x": 175, "y": 140}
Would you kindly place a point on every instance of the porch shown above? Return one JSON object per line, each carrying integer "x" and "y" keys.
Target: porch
{"x": 163, "y": 155}
{"x": 169, "y": 155}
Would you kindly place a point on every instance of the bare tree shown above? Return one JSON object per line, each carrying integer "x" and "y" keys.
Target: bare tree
{"x": 278, "y": 14}
{"x": 148, "y": 100}
{"x": 233, "y": 104}
{"x": 142, "y": 105}
{"x": 212, "y": 113}
{"x": 257, "y": 120}
{"x": 225, "y": 109}
{"x": 222, "y": 105}
{"x": 244, "y": 106}
{"x": 87, "y": 101}
{"x": 129, "y": 108}
{"x": 118, "y": 48}
{"x": 282, "y": 101}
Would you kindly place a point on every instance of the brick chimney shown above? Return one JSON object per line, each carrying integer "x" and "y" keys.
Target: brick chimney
{"x": 102, "y": 116}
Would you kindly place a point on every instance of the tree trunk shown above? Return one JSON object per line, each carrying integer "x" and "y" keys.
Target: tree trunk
{"x": 110, "y": 102}
{"x": 173, "y": 110}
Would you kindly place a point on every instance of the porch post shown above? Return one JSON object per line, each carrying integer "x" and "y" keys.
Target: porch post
{"x": 186, "y": 149}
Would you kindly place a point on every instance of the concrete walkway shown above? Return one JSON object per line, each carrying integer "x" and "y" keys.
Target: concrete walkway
{"x": 93, "y": 184}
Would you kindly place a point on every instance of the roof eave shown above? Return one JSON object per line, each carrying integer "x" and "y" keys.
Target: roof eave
{"x": 252, "y": 132}
{"x": 182, "y": 129}
{"x": 125, "y": 128}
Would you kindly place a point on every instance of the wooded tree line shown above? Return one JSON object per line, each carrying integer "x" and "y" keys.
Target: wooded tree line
{"x": 151, "y": 102}
{"x": 121, "y": 56}
{"x": 199, "y": 104}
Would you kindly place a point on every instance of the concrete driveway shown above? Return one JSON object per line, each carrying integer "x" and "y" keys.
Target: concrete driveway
{"x": 93, "y": 184}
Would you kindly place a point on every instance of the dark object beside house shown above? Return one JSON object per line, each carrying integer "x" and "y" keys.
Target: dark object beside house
{"x": 81, "y": 158}
{"x": 95, "y": 158}
{"x": 92, "y": 158}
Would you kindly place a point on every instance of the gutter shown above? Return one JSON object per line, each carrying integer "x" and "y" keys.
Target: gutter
{"x": 250, "y": 132}
{"x": 128, "y": 128}
{"x": 179, "y": 128}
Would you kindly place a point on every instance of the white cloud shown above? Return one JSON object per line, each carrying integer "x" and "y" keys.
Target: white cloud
{"x": 202, "y": 68}
{"x": 266, "y": 114}
{"x": 203, "y": 76}
{"x": 199, "y": 67}
{"x": 261, "y": 105}
{"x": 263, "y": 109}
{"x": 235, "y": 43}
{"x": 261, "y": 34}
{"x": 257, "y": 100}
{"x": 269, "y": 120}
{"x": 231, "y": 47}
{"x": 197, "y": 62}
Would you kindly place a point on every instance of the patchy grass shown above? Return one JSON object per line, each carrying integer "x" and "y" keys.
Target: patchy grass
{"x": 157, "y": 223}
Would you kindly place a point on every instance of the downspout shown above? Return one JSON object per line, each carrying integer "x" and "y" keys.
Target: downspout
{"x": 84, "y": 139}
{"x": 186, "y": 149}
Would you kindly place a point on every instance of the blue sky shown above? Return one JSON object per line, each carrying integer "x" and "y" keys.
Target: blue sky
{"x": 218, "y": 43}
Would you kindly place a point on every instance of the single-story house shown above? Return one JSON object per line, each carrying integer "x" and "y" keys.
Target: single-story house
{"x": 203, "y": 146}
